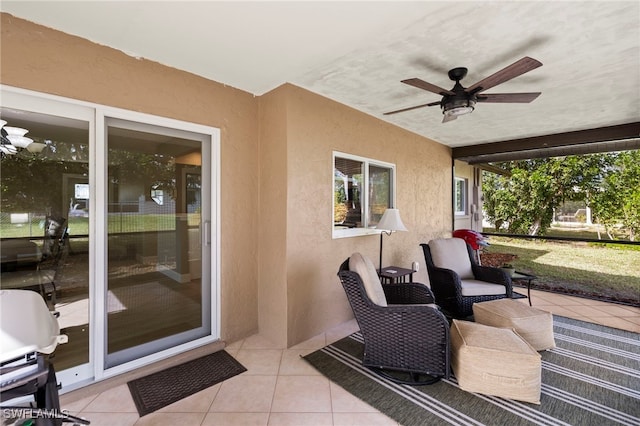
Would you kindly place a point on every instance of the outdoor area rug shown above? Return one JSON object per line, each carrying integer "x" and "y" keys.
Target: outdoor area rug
{"x": 592, "y": 377}
{"x": 157, "y": 390}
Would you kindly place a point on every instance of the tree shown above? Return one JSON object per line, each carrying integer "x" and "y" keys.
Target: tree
{"x": 33, "y": 183}
{"x": 617, "y": 202}
{"x": 525, "y": 198}
{"x": 154, "y": 170}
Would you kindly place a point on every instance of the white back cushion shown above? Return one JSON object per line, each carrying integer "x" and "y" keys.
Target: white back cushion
{"x": 451, "y": 253}
{"x": 362, "y": 266}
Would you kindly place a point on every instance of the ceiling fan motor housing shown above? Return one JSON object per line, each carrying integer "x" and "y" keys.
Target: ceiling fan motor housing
{"x": 457, "y": 74}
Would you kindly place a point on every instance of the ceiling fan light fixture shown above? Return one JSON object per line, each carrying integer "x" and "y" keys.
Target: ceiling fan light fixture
{"x": 12, "y": 139}
{"x": 458, "y": 110}
{"x": 459, "y": 107}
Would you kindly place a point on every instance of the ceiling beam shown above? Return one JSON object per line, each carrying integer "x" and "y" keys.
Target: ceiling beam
{"x": 493, "y": 169}
{"x": 578, "y": 137}
{"x": 557, "y": 151}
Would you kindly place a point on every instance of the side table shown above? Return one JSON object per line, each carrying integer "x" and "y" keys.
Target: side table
{"x": 521, "y": 276}
{"x": 395, "y": 275}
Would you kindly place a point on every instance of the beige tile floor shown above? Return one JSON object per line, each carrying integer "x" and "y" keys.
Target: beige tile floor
{"x": 609, "y": 314}
{"x": 280, "y": 388}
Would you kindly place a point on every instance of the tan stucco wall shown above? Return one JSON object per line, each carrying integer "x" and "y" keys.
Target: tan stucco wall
{"x": 279, "y": 260}
{"x": 272, "y": 217}
{"x": 316, "y": 127}
{"x": 40, "y": 59}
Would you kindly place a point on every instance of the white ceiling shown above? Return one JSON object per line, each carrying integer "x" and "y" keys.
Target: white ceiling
{"x": 357, "y": 52}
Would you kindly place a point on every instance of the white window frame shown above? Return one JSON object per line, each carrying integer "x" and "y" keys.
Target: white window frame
{"x": 366, "y": 229}
{"x": 465, "y": 196}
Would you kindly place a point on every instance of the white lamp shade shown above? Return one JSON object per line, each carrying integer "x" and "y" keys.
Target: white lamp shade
{"x": 20, "y": 141}
{"x": 4, "y": 149}
{"x": 391, "y": 221}
{"x": 17, "y": 131}
{"x": 8, "y": 149}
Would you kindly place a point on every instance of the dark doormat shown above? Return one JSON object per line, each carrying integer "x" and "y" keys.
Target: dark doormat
{"x": 157, "y": 390}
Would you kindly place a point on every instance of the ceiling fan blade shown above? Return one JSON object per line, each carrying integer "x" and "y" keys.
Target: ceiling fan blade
{"x": 413, "y": 107}
{"x": 522, "y": 98}
{"x": 421, "y": 84}
{"x": 448, "y": 118}
{"x": 520, "y": 67}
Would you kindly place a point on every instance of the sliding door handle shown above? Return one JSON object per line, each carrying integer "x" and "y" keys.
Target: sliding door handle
{"x": 206, "y": 234}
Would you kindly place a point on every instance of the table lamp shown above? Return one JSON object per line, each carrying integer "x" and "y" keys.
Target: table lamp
{"x": 389, "y": 222}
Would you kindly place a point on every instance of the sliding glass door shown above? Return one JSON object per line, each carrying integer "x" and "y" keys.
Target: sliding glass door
{"x": 132, "y": 202}
{"x": 158, "y": 269}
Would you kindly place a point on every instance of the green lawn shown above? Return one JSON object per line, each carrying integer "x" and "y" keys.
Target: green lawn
{"x": 609, "y": 272}
{"x": 117, "y": 223}
{"x": 582, "y": 231}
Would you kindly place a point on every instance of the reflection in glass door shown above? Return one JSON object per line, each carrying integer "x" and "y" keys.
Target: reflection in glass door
{"x": 44, "y": 224}
{"x": 158, "y": 285}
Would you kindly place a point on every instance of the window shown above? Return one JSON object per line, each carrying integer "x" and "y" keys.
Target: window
{"x": 460, "y": 199}
{"x": 362, "y": 190}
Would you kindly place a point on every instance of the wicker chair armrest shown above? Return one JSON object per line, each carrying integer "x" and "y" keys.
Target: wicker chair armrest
{"x": 408, "y": 293}
{"x": 410, "y": 323}
{"x": 493, "y": 275}
{"x": 402, "y": 315}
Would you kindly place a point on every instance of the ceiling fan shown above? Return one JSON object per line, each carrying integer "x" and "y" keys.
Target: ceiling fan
{"x": 460, "y": 100}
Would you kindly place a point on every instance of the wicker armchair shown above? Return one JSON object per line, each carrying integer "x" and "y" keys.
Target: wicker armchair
{"x": 407, "y": 340}
{"x": 456, "y": 279}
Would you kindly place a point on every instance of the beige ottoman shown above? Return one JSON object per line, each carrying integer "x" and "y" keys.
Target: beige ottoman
{"x": 495, "y": 361}
{"x": 534, "y": 325}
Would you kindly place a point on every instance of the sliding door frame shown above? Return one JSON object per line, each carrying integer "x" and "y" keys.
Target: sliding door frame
{"x": 96, "y": 115}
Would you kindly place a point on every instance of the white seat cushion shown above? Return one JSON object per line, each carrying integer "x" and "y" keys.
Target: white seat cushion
{"x": 481, "y": 288}
{"x": 429, "y": 305}
{"x": 451, "y": 253}
{"x": 364, "y": 267}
